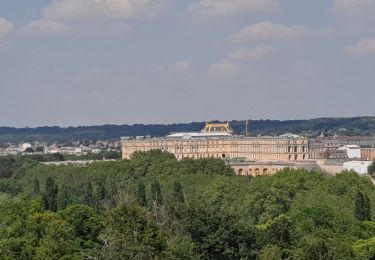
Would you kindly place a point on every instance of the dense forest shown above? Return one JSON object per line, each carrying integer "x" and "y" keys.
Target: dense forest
{"x": 155, "y": 207}
{"x": 347, "y": 126}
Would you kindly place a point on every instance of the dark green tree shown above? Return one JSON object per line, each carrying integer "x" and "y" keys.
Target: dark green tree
{"x": 371, "y": 169}
{"x": 85, "y": 222}
{"x": 315, "y": 248}
{"x": 101, "y": 193}
{"x": 7, "y": 166}
{"x": 89, "y": 197}
{"x": 131, "y": 234}
{"x": 36, "y": 187}
{"x": 141, "y": 195}
{"x": 279, "y": 231}
{"x": 362, "y": 207}
{"x": 63, "y": 198}
{"x": 217, "y": 233}
{"x": 177, "y": 192}
{"x": 156, "y": 193}
{"x": 50, "y": 195}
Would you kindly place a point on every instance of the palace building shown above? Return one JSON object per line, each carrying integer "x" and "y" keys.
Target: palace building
{"x": 218, "y": 141}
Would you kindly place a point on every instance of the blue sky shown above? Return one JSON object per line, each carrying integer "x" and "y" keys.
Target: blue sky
{"x": 84, "y": 62}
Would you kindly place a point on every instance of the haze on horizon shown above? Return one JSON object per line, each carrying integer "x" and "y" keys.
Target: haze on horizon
{"x": 86, "y": 62}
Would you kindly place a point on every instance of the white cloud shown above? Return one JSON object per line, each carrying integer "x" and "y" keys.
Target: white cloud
{"x": 363, "y": 47}
{"x": 248, "y": 54}
{"x": 182, "y": 66}
{"x": 268, "y": 31}
{"x": 103, "y": 10}
{"x": 6, "y": 27}
{"x": 44, "y": 26}
{"x": 231, "y": 7}
{"x": 235, "y": 63}
{"x": 84, "y": 15}
{"x": 226, "y": 69}
{"x": 354, "y": 7}
{"x": 179, "y": 66}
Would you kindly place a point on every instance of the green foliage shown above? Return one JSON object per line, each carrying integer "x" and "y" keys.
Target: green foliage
{"x": 36, "y": 187}
{"x": 362, "y": 210}
{"x": 156, "y": 195}
{"x": 371, "y": 169}
{"x": 206, "y": 166}
{"x": 50, "y": 236}
{"x": 88, "y": 196}
{"x": 278, "y": 231}
{"x": 132, "y": 234}
{"x": 50, "y": 195}
{"x": 216, "y": 233}
{"x": 156, "y": 207}
{"x": 178, "y": 193}
{"x": 365, "y": 248}
{"x": 7, "y": 166}
{"x": 86, "y": 224}
{"x": 141, "y": 195}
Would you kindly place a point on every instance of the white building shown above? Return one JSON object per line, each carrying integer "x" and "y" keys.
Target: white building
{"x": 360, "y": 167}
{"x": 24, "y": 146}
{"x": 353, "y": 151}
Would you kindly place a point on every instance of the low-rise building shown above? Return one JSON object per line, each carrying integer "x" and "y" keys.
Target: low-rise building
{"x": 360, "y": 167}
{"x": 353, "y": 151}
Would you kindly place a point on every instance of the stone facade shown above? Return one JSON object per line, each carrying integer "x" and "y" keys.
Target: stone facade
{"x": 259, "y": 168}
{"x": 284, "y": 149}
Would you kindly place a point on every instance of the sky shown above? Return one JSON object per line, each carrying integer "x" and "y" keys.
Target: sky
{"x": 88, "y": 62}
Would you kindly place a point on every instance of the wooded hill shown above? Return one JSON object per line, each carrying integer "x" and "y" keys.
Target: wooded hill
{"x": 345, "y": 126}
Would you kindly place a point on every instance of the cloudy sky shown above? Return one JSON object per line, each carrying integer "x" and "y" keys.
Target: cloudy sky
{"x": 84, "y": 62}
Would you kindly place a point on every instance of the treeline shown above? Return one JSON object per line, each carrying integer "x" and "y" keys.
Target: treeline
{"x": 155, "y": 207}
{"x": 348, "y": 126}
{"x": 10, "y": 163}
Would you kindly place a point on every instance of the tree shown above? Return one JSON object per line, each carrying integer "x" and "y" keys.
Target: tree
{"x": 365, "y": 248}
{"x": 29, "y": 150}
{"x": 36, "y": 187}
{"x": 49, "y": 237}
{"x": 63, "y": 198}
{"x": 50, "y": 195}
{"x": 371, "y": 169}
{"x": 217, "y": 233}
{"x": 132, "y": 234}
{"x": 271, "y": 252}
{"x": 156, "y": 193}
{"x": 100, "y": 193}
{"x": 315, "y": 248}
{"x": 141, "y": 195}
{"x": 279, "y": 231}
{"x": 362, "y": 207}
{"x": 177, "y": 192}
{"x": 85, "y": 222}
{"x": 7, "y": 166}
{"x": 89, "y": 198}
